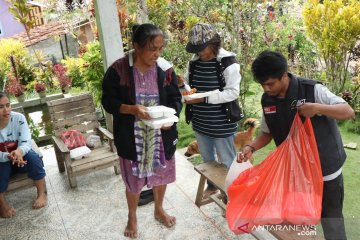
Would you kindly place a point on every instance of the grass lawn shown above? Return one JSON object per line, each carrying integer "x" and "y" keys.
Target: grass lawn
{"x": 186, "y": 134}
{"x": 351, "y": 171}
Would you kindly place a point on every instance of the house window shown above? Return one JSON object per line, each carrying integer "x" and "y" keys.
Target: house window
{"x": 36, "y": 16}
{"x": 1, "y": 30}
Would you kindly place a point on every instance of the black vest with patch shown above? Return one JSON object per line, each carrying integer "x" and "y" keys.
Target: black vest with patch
{"x": 279, "y": 115}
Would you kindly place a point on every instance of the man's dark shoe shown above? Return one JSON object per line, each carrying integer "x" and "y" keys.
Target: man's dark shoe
{"x": 146, "y": 197}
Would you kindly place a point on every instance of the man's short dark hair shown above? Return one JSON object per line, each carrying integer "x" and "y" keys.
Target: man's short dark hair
{"x": 269, "y": 64}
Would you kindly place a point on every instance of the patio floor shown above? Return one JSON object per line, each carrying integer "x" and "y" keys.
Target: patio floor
{"x": 97, "y": 209}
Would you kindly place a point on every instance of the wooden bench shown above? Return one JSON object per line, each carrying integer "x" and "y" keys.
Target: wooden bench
{"x": 78, "y": 113}
{"x": 216, "y": 174}
{"x": 21, "y": 180}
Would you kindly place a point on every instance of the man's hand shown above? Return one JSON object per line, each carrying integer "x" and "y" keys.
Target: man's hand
{"x": 16, "y": 157}
{"x": 245, "y": 155}
{"x": 308, "y": 109}
{"x": 194, "y": 101}
{"x": 140, "y": 112}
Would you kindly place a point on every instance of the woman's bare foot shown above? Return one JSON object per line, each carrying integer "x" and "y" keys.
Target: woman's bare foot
{"x": 7, "y": 211}
{"x": 40, "y": 201}
{"x": 131, "y": 227}
{"x": 165, "y": 219}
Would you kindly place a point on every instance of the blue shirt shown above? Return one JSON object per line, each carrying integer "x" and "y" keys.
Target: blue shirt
{"x": 16, "y": 130}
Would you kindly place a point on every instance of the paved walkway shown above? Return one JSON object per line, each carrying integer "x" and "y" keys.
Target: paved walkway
{"x": 97, "y": 209}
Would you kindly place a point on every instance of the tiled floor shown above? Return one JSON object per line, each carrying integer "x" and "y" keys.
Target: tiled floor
{"x": 97, "y": 209}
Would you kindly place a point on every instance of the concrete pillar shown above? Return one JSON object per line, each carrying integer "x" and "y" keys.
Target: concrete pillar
{"x": 107, "y": 22}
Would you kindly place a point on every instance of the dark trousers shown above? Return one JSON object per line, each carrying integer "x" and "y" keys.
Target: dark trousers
{"x": 34, "y": 168}
{"x": 332, "y": 219}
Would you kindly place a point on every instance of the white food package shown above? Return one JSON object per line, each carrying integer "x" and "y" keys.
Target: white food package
{"x": 80, "y": 152}
{"x": 160, "y": 111}
{"x": 161, "y": 122}
{"x": 200, "y": 95}
{"x": 234, "y": 171}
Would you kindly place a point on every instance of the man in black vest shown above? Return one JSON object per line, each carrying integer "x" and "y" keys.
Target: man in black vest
{"x": 284, "y": 95}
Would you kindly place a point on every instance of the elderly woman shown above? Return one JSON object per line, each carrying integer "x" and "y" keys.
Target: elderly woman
{"x": 138, "y": 80}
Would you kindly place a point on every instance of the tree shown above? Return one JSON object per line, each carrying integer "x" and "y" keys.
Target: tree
{"x": 21, "y": 12}
{"x": 334, "y": 26}
{"x": 70, "y": 13}
{"x": 142, "y": 12}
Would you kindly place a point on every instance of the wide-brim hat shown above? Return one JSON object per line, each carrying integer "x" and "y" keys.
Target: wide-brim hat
{"x": 199, "y": 36}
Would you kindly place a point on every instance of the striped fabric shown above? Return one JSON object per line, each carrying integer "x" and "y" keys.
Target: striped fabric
{"x": 209, "y": 119}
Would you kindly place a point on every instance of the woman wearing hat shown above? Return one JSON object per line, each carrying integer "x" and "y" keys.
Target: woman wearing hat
{"x": 211, "y": 68}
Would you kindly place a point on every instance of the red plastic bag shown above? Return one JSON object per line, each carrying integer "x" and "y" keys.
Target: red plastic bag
{"x": 73, "y": 139}
{"x": 285, "y": 188}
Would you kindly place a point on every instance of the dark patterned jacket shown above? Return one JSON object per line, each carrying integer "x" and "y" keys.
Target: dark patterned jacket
{"x": 119, "y": 88}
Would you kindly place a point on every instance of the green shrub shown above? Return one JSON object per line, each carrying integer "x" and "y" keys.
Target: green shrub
{"x": 17, "y": 49}
{"x": 25, "y": 71}
{"x": 45, "y": 75}
{"x": 334, "y": 26}
{"x": 74, "y": 69}
{"x": 93, "y": 72}
{"x": 35, "y": 132}
{"x": 175, "y": 53}
{"x": 157, "y": 12}
{"x": 352, "y": 126}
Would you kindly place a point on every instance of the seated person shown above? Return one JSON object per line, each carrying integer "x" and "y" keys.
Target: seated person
{"x": 16, "y": 156}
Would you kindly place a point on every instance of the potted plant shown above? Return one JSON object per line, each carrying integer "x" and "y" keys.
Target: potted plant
{"x": 14, "y": 87}
{"x": 40, "y": 89}
{"x": 64, "y": 80}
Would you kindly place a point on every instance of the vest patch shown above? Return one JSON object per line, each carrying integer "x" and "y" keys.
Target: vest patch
{"x": 270, "y": 109}
{"x": 297, "y": 103}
